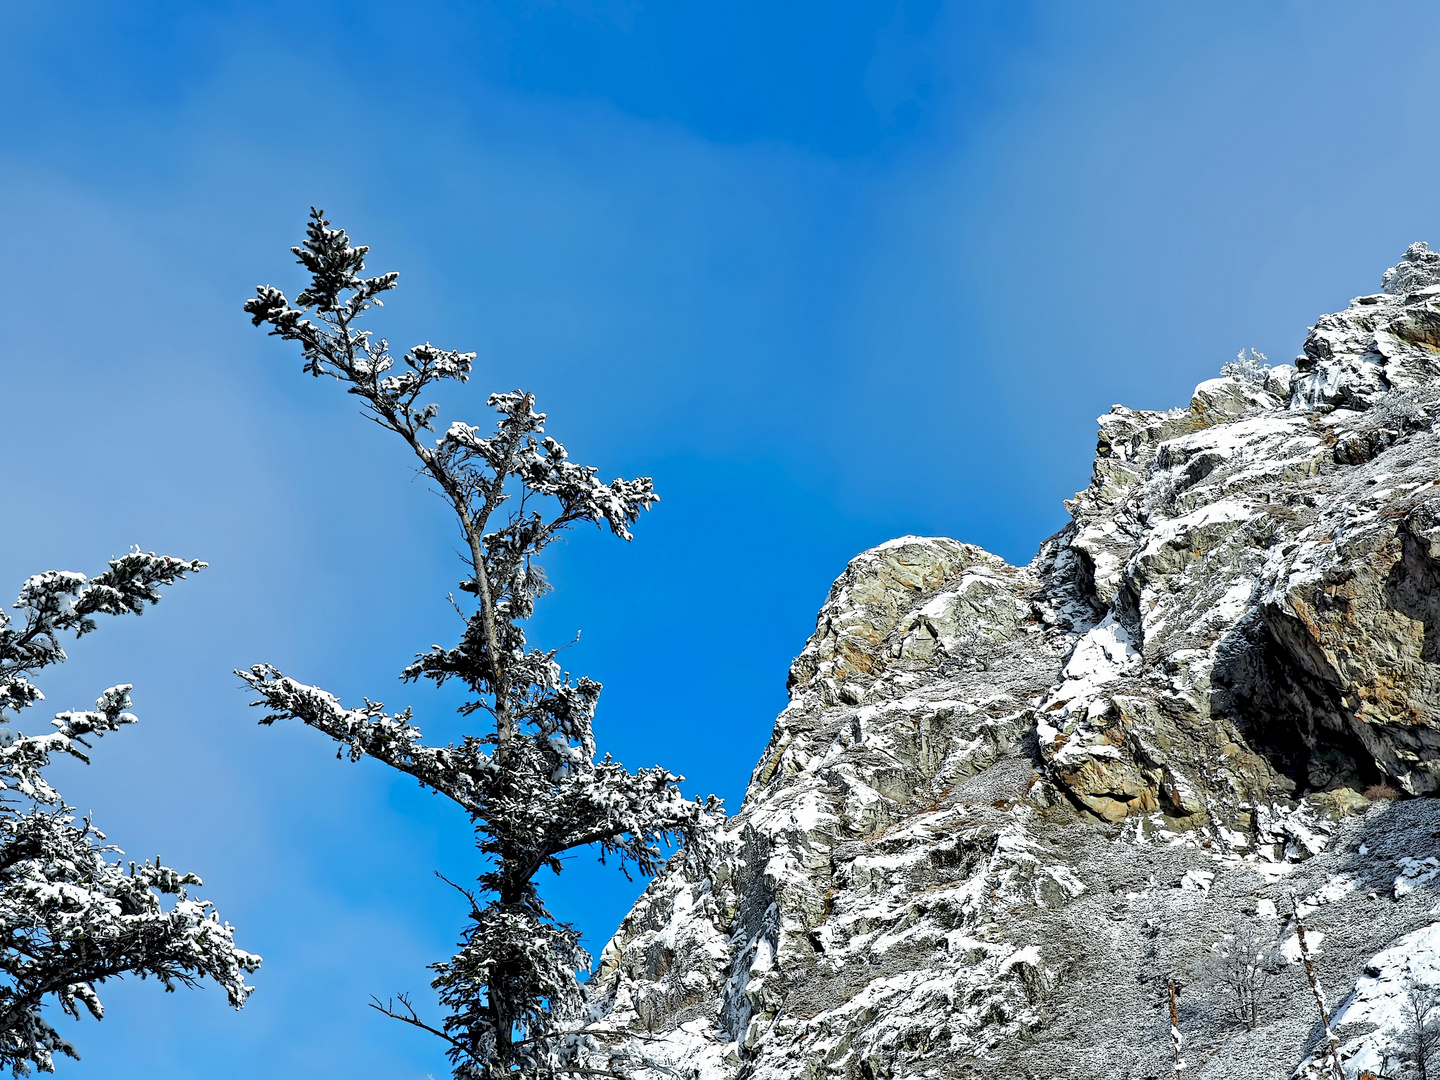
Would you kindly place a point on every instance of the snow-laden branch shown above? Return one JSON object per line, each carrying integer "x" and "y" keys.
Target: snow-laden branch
{"x": 58, "y": 601}
{"x": 457, "y": 772}
{"x": 72, "y": 913}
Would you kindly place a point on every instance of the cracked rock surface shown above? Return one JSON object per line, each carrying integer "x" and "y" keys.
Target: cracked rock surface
{"x": 1005, "y": 805}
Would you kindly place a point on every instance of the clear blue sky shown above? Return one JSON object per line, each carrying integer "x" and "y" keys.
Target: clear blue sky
{"x": 829, "y": 272}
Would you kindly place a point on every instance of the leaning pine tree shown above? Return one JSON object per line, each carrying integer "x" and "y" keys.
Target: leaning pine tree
{"x": 72, "y": 914}
{"x": 531, "y": 783}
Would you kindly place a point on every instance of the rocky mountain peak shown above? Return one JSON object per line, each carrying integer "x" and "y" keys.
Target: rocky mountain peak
{"x": 1005, "y": 804}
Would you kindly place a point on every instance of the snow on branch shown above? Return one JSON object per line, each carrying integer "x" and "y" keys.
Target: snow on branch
{"x": 1250, "y": 369}
{"x": 370, "y": 731}
{"x": 62, "y": 600}
{"x": 71, "y": 912}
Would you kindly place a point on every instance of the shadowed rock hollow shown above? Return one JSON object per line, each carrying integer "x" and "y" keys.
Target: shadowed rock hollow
{"x": 1006, "y": 804}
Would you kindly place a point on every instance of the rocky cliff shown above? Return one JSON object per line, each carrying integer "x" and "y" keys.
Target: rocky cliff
{"x": 1006, "y": 805}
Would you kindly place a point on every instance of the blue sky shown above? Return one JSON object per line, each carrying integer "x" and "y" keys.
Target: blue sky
{"x": 831, "y": 273}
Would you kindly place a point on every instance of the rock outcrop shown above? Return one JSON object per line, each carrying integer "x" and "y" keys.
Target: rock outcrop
{"x": 1006, "y": 805}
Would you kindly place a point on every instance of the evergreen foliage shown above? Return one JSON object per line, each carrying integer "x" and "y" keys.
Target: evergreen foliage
{"x": 1252, "y": 369}
{"x": 72, "y": 916}
{"x": 531, "y": 783}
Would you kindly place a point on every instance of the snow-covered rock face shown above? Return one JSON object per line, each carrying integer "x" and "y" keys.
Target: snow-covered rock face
{"x": 1274, "y": 558}
{"x": 1006, "y": 804}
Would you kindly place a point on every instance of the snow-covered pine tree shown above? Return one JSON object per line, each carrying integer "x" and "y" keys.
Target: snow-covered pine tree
{"x": 531, "y": 783}
{"x": 71, "y": 914}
